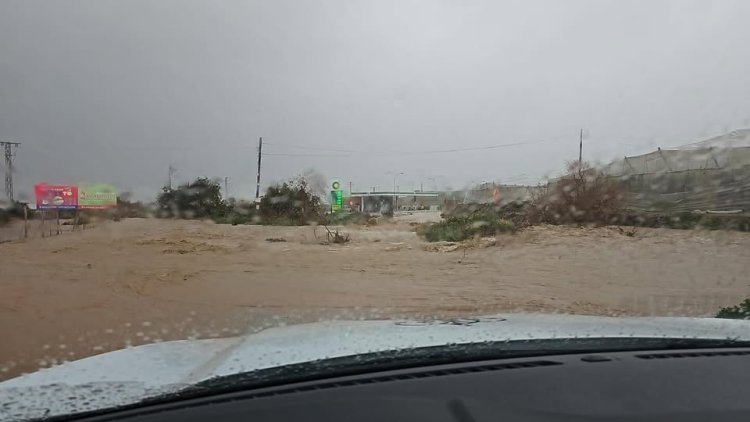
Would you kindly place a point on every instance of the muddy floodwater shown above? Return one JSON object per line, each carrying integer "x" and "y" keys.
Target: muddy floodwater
{"x": 143, "y": 280}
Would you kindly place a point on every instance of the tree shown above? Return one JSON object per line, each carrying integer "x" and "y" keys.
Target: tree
{"x": 293, "y": 202}
{"x": 198, "y": 199}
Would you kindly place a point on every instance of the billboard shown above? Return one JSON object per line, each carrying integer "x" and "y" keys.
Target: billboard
{"x": 64, "y": 197}
{"x": 97, "y": 196}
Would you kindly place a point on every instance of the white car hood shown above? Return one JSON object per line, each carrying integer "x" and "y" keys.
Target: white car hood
{"x": 128, "y": 375}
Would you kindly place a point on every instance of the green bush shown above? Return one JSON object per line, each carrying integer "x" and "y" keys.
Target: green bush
{"x": 684, "y": 221}
{"x": 293, "y": 203}
{"x": 514, "y": 212}
{"x": 458, "y": 228}
{"x": 345, "y": 218}
{"x": 741, "y": 311}
{"x": 198, "y": 199}
{"x": 238, "y": 213}
{"x": 710, "y": 222}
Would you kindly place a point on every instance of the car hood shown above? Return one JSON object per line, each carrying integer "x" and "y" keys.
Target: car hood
{"x": 129, "y": 375}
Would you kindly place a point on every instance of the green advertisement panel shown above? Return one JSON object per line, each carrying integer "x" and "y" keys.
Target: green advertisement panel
{"x": 97, "y": 196}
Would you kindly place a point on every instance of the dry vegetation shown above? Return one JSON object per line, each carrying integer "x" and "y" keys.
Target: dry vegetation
{"x": 583, "y": 195}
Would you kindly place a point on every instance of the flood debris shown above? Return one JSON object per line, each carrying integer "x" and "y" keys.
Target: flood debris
{"x": 275, "y": 239}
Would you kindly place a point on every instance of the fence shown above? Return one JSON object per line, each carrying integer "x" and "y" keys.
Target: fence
{"x": 687, "y": 180}
{"x": 40, "y": 224}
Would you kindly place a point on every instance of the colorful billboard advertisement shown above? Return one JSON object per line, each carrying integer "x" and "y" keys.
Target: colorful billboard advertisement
{"x": 97, "y": 196}
{"x": 64, "y": 197}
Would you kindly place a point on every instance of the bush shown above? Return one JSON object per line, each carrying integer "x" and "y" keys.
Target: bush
{"x": 710, "y": 222}
{"x": 346, "y": 218}
{"x": 687, "y": 220}
{"x": 84, "y": 218}
{"x": 741, "y": 311}
{"x": 683, "y": 221}
{"x": 583, "y": 195}
{"x": 291, "y": 203}
{"x": 198, "y": 199}
{"x": 514, "y": 212}
{"x": 239, "y": 213}
{"x": 13, "y": 211}
{"x": 458, "y": 228}
{"x": 130, "y": 209}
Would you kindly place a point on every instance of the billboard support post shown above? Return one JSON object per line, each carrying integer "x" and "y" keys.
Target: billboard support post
{"x": 25, "y": 221}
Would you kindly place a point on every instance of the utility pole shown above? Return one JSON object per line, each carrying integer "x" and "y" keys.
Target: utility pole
{"x": 171, "y": 173}
{"x": 8, "y": 148}
{"x": 350, "y": 188}
{"x": 226, "y": 187}
{"x": 580, "y": 150}
{"x": 257, "y": 186}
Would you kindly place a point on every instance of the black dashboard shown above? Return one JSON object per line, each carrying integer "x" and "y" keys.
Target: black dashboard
{"x": 685, "y": 385}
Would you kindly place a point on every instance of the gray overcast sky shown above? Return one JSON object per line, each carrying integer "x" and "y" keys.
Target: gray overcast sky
{"x": 115, "y": 91}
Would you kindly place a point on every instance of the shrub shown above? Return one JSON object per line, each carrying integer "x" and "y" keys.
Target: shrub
{"x": 131, "y": 209}
{"x": 241, "y": 212}
{"x": 710, "y": 222}
{"x": 346, "y": 218}
{"x": 291, "y": 203}
{"x": 683, "y": 221}
{"x": 198, "y": 199}
{"x": 583, "y": 195}
{"x": 741, "y": 311}
{"x": 514, "y": 212}
{"x": 15, "y": 210}
{"x": 458, "y": 228}
{"x": 84, "y": 218}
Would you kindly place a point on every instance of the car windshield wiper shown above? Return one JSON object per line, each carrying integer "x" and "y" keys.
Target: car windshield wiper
{"x": 414, "y": 358}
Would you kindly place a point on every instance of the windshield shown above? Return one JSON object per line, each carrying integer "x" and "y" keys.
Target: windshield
{"x": 200, "y": 189}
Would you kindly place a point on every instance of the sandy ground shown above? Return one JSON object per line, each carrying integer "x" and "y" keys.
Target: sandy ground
{"x": 139, "y": 281}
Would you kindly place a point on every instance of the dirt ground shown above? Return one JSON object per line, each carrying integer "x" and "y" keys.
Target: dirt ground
{"x": 139, "y": 281}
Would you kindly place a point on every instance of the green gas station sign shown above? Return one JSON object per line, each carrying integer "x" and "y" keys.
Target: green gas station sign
{"x": 337, "y": 197}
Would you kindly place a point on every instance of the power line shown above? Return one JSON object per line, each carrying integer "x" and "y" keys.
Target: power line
{"x": 346, "y": 152}
{"x": 514, "y": 144}
{"x": 396, "y": 152}
{"x": 301, "y": 155}
{"x": 313, "y": 148}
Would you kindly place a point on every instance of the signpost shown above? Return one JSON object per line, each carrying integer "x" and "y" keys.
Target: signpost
{"x": 337, "y": 197}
